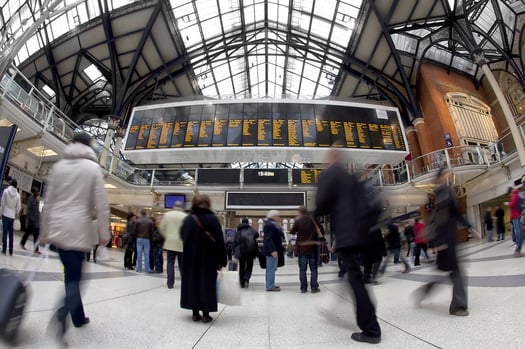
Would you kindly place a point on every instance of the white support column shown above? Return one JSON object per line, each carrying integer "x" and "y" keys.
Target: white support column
{"x": 113, "y": 121}
{"x": 516, "y": 136}
{"x": 116, "y": 150}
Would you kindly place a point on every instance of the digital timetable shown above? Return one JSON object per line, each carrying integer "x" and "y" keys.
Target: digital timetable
{"x": 268, "y": 124}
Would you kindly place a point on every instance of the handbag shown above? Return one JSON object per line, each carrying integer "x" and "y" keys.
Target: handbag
{"x": 228, "y": 290}
{"x": 262, "y": 259}
{"x": 17, "y": 225}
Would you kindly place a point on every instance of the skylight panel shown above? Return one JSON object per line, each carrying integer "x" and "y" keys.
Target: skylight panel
{"x": 93, "y": 73}
{"x": 48, "y": 91}
{"x": 207, "y": 9}
{"x": 325, "y": 9}
{"x": 211, "y": 28}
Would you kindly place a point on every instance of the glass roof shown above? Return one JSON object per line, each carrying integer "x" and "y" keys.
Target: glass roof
{"x": 259, "y": 57}
{"x": 485, "y": 23}
{"x": 20, "y": 14}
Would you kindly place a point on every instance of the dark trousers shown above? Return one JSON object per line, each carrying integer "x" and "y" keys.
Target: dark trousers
{"x": 7, "y": 233}
{"x": 158, "y": 259}
{"x": 308, "y": 260}
{"x": 417, "y": 252}
{"x": 459, "y": 291}
{"x": 170, "y": 266}
{"x": 72, "y": 261}
{"x": 245, "y": 270}
{"x": 364, "y": 309}
{"x": 128, "y": 256}
{"x": 31, "y": 231}
{"x": 370, "y": 271}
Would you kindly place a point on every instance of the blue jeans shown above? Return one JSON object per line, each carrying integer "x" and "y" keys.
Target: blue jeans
{"x": 143, "y": 244}
{"x": 72, "y": 261}
{"x": 271, "y": 267}
{"x": 304, "y": 262}
{"x": 516, "y": 228}
{"x": 7, "y": 226}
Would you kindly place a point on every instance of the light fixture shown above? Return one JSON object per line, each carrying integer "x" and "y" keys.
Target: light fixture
{"x": 41, "y": 151}
{"x": 109, "y": 186}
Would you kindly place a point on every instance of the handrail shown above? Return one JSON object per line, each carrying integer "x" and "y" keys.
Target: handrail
{"x": 37, "y": 106}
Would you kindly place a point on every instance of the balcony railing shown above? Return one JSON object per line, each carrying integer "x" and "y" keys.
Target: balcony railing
{"x": 37, "y": 106}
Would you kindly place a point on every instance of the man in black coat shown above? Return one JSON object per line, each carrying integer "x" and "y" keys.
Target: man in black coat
{"x": 335, "y": 197}
{"x": 245, "y": 251}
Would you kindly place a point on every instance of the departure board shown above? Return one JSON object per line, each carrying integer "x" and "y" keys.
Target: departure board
{"x": 167, "y": 129}
{"x": 238, "y": 124}
{"x": 307, "y": 176}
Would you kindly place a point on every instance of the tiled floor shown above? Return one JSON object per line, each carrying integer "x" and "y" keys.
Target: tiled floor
{"x": 131, "y": 310}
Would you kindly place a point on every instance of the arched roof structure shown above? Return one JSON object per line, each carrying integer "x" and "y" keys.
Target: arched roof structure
{"x": 102, "y": 57}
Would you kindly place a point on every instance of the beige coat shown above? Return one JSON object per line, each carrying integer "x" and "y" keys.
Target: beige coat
{"x": 76, "y": 208}
{"x": 170, "y": 229}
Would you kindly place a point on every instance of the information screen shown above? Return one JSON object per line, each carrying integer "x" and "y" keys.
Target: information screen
{"x": 265, "y": 176}
{"x": 275, "y": 124}
{"x": 218, "y": 176}
{"x": 247, "y": 200}
{"x": 305, "y": 176}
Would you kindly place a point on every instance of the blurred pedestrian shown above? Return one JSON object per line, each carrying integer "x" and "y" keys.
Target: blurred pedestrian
{"x": 336, "y": 197}
{"x": 33, "y": 219}
{"x": 515, "y": 206}
{"x": 443, "y": 227}
{"x": 500, "y": 222}
{"x": 394, "y": 249}
{"x": 204, "y": 254}
{"x": 421, "y": 242}
{"x": 489, "y": 224}
{"x": 75, "y": 217}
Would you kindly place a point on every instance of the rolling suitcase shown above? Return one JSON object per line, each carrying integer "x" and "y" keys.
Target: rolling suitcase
{"x": 13, "y": 296}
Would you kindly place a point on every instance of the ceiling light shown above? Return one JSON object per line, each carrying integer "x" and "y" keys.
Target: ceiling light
{"x": 109, "y": 186}
{"x": 41, "y": 151}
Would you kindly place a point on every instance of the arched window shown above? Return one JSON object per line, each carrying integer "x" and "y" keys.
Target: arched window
{"x": 472, "y": 118}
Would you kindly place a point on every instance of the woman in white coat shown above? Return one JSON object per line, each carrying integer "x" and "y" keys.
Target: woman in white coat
{"x": 75, "y": 217}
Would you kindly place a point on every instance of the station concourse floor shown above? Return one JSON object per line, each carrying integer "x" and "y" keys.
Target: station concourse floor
{"x": 131, "y": 310}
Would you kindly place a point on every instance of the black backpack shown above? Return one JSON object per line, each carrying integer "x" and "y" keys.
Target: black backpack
{"x": 369, "y": 205}
{"x": 248, "y": 244}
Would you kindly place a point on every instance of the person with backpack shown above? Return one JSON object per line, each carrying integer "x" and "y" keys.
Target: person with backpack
{"x": 245, "y": 250}
{"x": 342, "y": 196}
{"x": 306, "y": 246}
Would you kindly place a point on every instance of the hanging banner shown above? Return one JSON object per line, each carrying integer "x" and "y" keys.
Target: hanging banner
{"x": 7, "y": 137}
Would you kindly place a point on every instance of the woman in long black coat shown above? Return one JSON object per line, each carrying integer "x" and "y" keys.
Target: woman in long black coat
{"x": 204, "y": 254}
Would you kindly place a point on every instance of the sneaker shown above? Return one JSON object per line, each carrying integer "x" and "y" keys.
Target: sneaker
{"x": 274, "y": 289}
{"x": 315, "y": 290}
{"x": 23, "y": 247}
{"x": 518, "y": 254}
{"x": 304, "y": 290}
{"x": 460, "y": 312}
{"x": 361, "y": 337}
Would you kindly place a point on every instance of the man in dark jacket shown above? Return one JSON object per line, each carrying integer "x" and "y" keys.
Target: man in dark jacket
{"x": 335, "y": 197}
{"x": 306, "y": 246}
{"x": 272, "y": 247}
{"x": 500, "y": 225}
{"x": 394, "y": 247}
{"x": 245, "y": 250}
{"x": 143, "y": 232}
{"x": 33, "y": 219}
{"x": 131, "y": 244}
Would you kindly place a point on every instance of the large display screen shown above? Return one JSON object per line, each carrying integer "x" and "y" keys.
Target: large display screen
{"x": 276, "y": 124}
{"x": 250, "y": 200}
{"x": 171, "y": 199}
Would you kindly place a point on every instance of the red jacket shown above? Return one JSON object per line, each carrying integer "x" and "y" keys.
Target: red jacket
{"x": 515, "y": 211}
{"x": 420, "y": 235}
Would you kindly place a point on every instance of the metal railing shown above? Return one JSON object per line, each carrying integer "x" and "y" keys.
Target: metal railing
{"x": 15, "y": 87}
{"x": 37, "y": 106}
